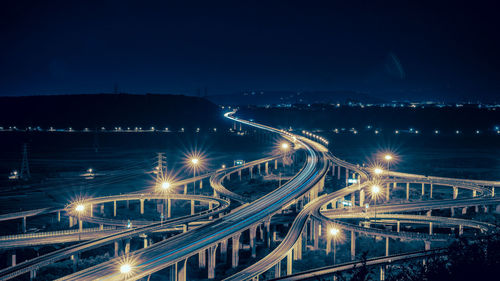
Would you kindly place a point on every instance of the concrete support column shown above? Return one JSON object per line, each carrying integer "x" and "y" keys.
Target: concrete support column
{"x": 386, "y": 246}
{"x": 493, "y": 191}
{"x": 353, "y": 245}
{"x": 211, "y": 261}
{"x": 289, "y": 263}
{"x": 388, "y": 192}
{"x": 70, "y": 222}
{"x": 24, "y": 225}
{"x": 430, "y": 193}
{"x": 145, "y": 240}
{"x": 455, "y": 192}
{"x": 277, "y": 270}
{"x": 142, "y": 206}
{"x": 127, "y": 246}
{"x": 239, "y": 174}
{"x": 464, "y": 210}
{"x": 181, "y": 270}
{"x": 117, "y": 248}
{"x": 430, "y": 228}
{"x": 407, "y": 191}
{"x": 298, "y": 249}
{"x": 223, "y": 251}
{"x": 258, "y": 168}
{"x": 173, "y": 272}
{"x": 452, "y": 210}
{"x": 169, "y": 208}
{"x": 427, "y": 245}
{"x": 474, "y": 193}
{"x": 114, "y": 208}
{"x": 102, "y": 209}
{"x": 346, "y": 176}
{"x": 266, "y": 168}
{"x": 267, "y": 225}
{"x": 253, "y": 231}
{"x": 91, "y": 210}
{"x": 276, "y": 164}
{"x": 398, "y": 226}
{"x": 250, "y": 171}
{"x": 338, "y": 172}
{"x": 202, "y": 258}
{"x": 361, "y": 197}
{"x": 382, "y": 272}
{"x": 236, "y": 245}
{"x": 333, "y": 170}
{"x": 13, "y": 258}
{"x": 192, "y": 207}
{"x": 423, "y": 189}
{"x": 59, "y": 216}
{"x": 328, "y": 244}
{"x": 315, "y": 230}
{"x": 185, "y": 189}
{"x": 460, "y": 229}
{"x": 185, "y": 227}
{"x": 80, "y": 225}
{"x": 33, "y": 274}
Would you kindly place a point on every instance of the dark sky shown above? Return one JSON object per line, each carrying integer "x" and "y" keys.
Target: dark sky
{"x": 387, "y": 49}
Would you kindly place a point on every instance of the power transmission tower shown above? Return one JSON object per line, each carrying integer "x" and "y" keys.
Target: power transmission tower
{"x": 161, "y": 167}
{"x": 25, "y": 167}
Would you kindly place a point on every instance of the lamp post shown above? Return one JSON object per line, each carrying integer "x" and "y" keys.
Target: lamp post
{"x": 80, "y": 208}
{"x": 334, "y": 233}
{"x": 375, "y": 192}
{"x": 194, "y": 163}
{"x": 388, "y": 158}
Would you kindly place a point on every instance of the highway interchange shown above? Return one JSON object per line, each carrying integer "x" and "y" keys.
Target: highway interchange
{"x": 208, "y": 232}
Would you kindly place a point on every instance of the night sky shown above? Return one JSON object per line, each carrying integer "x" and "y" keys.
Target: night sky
{"x": 396, "y": 50}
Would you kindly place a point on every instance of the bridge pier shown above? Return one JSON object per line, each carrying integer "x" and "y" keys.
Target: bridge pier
{"x": 259, "y": 169}
{"x": 277, "y": 270}
{"x": 267, "y": 225}
{"x": 192, "y": 207}
{"x": 24, "y": 225}
{"x": 333, "y": 170}
{"x": 407, "y": 191}
{"x": 59, "y": 216}
{"x": 386, "y": 246}
{"x": 361, "y": 197}
{"x": 297, "y": 252}
{"x": 91, "y": 210}
{"x": 117, "y": 248}
{"x": 460, "y": 230}
{"x": 114, "y": 208}
{"x": 250, "y": 171}
{"x": 423, "y": 189}
{"x": 74, "y": 258}
{"x": 276, "y": 164}
{"x": 430, "y": 193}
{"x": 181, "y": 270}
{"x": 145, "y": 240}
{"x": 430, "y": 228}
{"x": 239, "y": 174}
{"x": 185, "y": 188}
{"x": 223, "y": 251}
{"x": 266, "y": 168}
{"x": 168, "y": 204}
{"x": 315, "y": 235}
{"x": 388, "y": 192}
{"x": 289, "y": 263}
{"x": 236, "y": 245}
{"x": 33, "y": 274}
{"x": 382, "y": 272}
{"x": 13, "y": 258}
{"x": 452, "y": 210}
{"x": 474, "y": 193}
{"x": 353, "y": 245}
{"x": 211, "y": 261}
{"x": 127, "y": 245}
{"x": 80, "y": 225}
{"x": 70, "y": 221}
{"x": 427, "y": 245}
{"x": 102, "y": 209}
{"x": 253, "y": 231}
{"x": 185, "y": 227}
{"x": 346, "y": 177}
{"x": 142, "y": 206}
{"x": 338, "y": 172}
{"x": 398, "y": 226}
{"x": 455, "y": 192}
{"x": 202, "y": 258}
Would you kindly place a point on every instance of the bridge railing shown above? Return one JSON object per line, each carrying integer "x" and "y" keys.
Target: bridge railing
{"x": 53, "y": 233}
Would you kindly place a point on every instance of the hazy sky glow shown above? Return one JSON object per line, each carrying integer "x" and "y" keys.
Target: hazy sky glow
{"x": 389, "y": 49}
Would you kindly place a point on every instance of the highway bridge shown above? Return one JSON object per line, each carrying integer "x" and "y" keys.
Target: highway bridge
{"x": 210, "y": 231}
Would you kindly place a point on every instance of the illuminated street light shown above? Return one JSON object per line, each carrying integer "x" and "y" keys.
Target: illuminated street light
{"x": 195, "y": 161}
{"x": 388, "y": 157}
{"x": 80, "y": 208}
{"x": 375, "y": 190}
{"x": 165, "y": 185}
{"x": 125, "y": 268}
{"x": 334, "y": 233}
{"x": 378, "y": 171}
{"x": 284, "y": 146}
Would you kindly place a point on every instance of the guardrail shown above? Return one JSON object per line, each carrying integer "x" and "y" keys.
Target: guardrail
{"x": 53, "y": 233}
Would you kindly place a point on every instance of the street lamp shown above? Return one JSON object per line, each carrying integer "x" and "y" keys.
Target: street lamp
{"x": 80, "y": 208}
{"x": 378, "y": 171}
{"x": 375, "y": 193}
{"x": 195, "y": 161}
{"x": 165, "y": 185}
{"x": 125, "y": 268}
{"x": 388, "y": 158}
{"x": 334, "y": 233}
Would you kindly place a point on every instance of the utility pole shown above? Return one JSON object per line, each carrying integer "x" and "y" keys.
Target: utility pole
{"x": 25, "y": 168}
{"x": 161, "y": 167}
